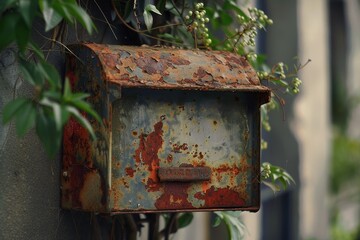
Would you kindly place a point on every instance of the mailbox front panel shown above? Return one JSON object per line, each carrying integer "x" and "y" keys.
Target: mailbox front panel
{"x": 184, "y": 150}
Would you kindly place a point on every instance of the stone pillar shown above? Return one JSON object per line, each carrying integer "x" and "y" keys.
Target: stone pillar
{"x": 312, "y": 125}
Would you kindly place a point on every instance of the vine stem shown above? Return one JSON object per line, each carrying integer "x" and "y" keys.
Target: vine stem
{"x": 59, "y": 43}
{"x": 143, "y": 31}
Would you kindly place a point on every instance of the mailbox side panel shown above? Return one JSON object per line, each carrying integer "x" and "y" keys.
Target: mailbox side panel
{"x": 85, "y": 169}
{"x": 184, "y": 134}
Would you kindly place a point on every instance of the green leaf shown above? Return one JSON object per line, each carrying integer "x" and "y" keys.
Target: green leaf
{"x": 152, "y": 8}
{"x": 31, "y": 72}
{"x": 50, "y": 15}
{"x": 27, "y": 10}
{"x": 63, "y": 11}
{"x": 72, "y": 10}
{"x": 185, "y": 219}
{"x": 161, "y": 5}
{"x": 236, "y": 229}
{"x": 12, "y": 108}
{"x": 84, "y": 106}
{"x": 82, "y": 120}
{"x": 274, "y": 187}
{"x": 8, "y": 22}
{"x": 225, "y": 19}
{"x": 22, "y": 33}
{"x": 233, "y": 5}
{"x": 46, "y": 130}
{"x": 78, "y": 96}
{"x": 148, "y": 19}
{"x": 33, "y": 47}
{"x": 61, "y": 113}
{"x": 50, "y": 73}
{"x": 170, "y": 37}
{"x": 25, "y": 118}
{"x": 27, "y": 73}
{"x": 217, "y": 221}
{"x": 5, "y": 4}
{"x": 67, "y": 89}
{"x": 53, "y": 95}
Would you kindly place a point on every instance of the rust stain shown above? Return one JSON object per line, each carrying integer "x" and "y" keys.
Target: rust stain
{"x": 85, "y": 188}
{"x": 220, "y": 197}
{"x": 176, "y": 148}
{"x": 175, "y": 196}
{"x": 147, "y": 153}
{"x": 130, "y": 172}
{"x": 169, "y": 158}
{"x": 76, "y": 143}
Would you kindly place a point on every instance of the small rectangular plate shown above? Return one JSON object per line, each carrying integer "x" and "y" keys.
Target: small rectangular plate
{"x": 184, "y": 174}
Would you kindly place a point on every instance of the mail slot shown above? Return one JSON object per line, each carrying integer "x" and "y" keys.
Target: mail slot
{"x": 180, "y": 131}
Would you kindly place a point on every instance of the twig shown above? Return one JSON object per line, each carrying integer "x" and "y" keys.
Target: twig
{"x": 60, "y": 43}
{"x": 142, "y": 31}
{"x": 107, "y": 21}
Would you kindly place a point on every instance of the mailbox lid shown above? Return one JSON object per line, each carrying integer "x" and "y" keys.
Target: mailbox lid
{"x": 169, "y": 68}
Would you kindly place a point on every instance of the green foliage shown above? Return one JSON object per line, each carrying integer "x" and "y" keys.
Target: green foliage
{"x": 53, "y": 103}
{"x": 235, "y": 228}
{"x": 185, "y": 219}
{"x": 148, "y": 18}
{"x": 345, "y": 161}
{"x": 338, "y": 232}
{"x": 278, "y": 176}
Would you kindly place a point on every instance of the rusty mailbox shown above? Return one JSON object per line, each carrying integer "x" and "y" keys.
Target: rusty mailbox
{"x": 180, "y": 131}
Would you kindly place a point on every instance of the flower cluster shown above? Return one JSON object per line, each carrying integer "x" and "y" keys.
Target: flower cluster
{"x": 245, "y": 36}
{"x": 265, "y": 171}
{"x": 197, "y": 23}
{"x": 263, "y": 144}
{"x": 296, "y": 82}
{"x": 259, "y": 17}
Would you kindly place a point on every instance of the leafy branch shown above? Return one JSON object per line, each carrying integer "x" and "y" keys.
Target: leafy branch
{"x": 53, "y": 102}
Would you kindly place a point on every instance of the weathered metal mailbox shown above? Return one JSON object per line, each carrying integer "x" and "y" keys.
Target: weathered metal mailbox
{"x": 180, "y": 131}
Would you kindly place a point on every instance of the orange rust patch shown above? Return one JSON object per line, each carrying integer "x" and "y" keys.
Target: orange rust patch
{"x": 174, "y": 197}
{"x": 147, "y": 153}
{"x": 223, "y": 197}
{"x": 130, "y": 172}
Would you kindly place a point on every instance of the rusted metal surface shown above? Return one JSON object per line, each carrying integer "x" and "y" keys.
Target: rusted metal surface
{"x": 169, "y": 68}
{"x": 161, "y": 148}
